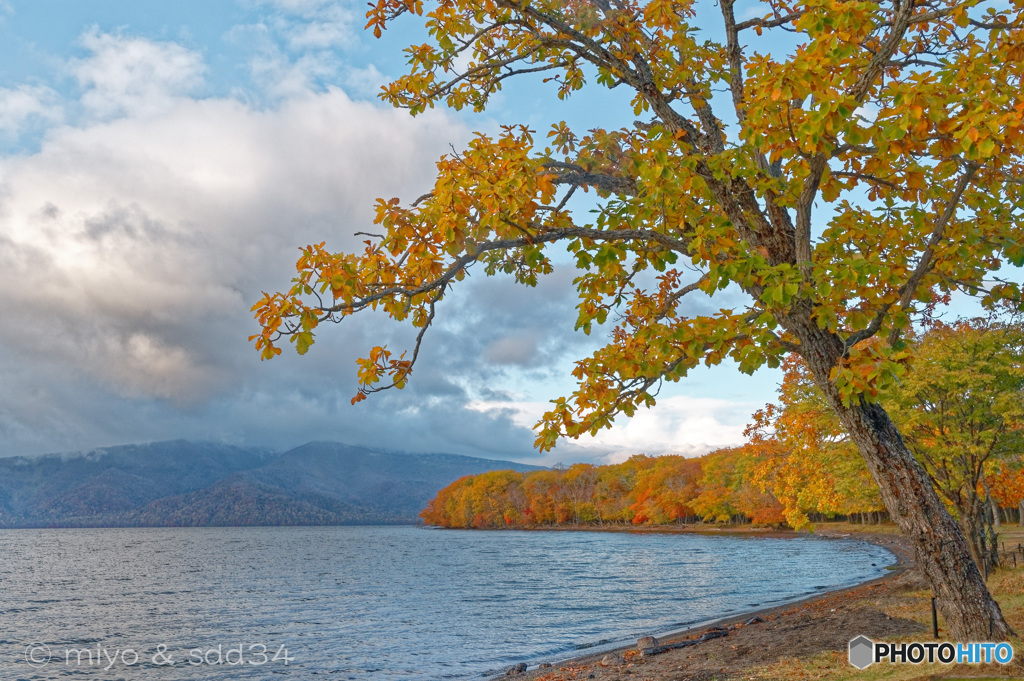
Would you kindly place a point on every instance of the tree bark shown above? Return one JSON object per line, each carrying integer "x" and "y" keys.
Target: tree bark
{"x": 971, "y": 526}
{"x": 997, "y": 521}
{"x": 1020, "y": 513}
{"x": 974, "y": 522}
{"x": 940, "y": 547}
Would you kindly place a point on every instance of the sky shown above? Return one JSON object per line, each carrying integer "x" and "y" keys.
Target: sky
{"x": 160, "y": 166}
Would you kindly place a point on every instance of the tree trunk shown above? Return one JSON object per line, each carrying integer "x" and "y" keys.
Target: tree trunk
{"x": 940, "y": 548}
{"x": 972, "y": 522}
{"x": 1020, "y": 513}
{"x": 992, "y": 521}
{"x": 971, "y": 528}
{"x": 995, "y": 507}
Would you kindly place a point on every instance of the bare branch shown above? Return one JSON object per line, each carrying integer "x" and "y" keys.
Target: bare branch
{"x": 415, "y": 350}
{"x": 874, "y": 179}
{"x": 735, "y": 53}
{"x": 770, "y": 23}
{"x": 926, "y": 263}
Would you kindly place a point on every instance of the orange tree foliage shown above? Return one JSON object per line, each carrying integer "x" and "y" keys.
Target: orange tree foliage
{"x": 644, "y": 490}
{"x": 904, "y": 122}
{"x": 664, "y": 489}
{"x": 800, "y": 452}
{"x": 1008, "y": 486}
{"x": 485, "y": 500}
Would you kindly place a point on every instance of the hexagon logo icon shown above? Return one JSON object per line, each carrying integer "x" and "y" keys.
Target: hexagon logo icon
{"x": 862, "y": 652}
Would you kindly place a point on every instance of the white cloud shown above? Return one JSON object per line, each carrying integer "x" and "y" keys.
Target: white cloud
{"x": 282, "y": 77}
{"x": 297, "y": 46}
{"x": 20, "y": 104}
{"x": 331, "y": 26}
{"x": 134, "y": 76}
{"x": 365, "y": 82}
{"x": 315, "y": 24}
{"x": 690, "y": 426}
{"x": 133, "y": 242}
{"x": 132, "y": 249}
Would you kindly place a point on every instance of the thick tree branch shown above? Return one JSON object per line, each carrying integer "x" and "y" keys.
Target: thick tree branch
{"x": 735, "y": 55}
{"x": 769, "y": 23}
{"x": 463, "y": 262}
{"x": 576, "y": 175}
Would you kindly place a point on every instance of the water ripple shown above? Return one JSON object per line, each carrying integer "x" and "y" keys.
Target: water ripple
{"x": 375, "y": 602}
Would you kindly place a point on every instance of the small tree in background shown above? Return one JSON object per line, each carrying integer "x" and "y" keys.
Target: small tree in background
{"x": 801, "y": 453}
{"x": 962, "y": 413}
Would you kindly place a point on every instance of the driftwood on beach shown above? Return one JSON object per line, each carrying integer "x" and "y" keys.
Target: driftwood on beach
{"x": 717, "y": 632}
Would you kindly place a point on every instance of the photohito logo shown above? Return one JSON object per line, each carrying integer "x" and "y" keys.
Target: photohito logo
{"x": 862, "y": 652}
{"x": 865, "y": 652}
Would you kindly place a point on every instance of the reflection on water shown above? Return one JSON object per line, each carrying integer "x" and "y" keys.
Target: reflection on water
{"x": 171, "y": 604}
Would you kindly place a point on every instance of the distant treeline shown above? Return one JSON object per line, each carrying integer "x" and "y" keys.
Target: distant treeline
{"x": 719, "y": 487}
{"x": 722, "y": 487}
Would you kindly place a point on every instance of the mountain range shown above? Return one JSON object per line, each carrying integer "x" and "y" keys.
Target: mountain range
{"x": 196, "y": 484}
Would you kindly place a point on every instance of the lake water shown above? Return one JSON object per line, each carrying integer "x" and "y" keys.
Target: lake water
{"x": 171, "y": 604}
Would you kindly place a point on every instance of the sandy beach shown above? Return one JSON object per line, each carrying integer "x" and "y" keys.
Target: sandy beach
{"x": 803, "y": 640}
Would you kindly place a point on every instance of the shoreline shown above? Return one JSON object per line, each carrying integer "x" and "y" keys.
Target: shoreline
{"x": 589, "y": 664}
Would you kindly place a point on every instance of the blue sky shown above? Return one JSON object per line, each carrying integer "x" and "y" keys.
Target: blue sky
{"x": 160, "y": 165}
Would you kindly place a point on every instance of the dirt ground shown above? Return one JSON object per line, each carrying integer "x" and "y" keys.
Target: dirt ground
{"x": 825, "y": 623}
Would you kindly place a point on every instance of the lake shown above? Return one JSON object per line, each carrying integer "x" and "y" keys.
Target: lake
{"x": 170, "y": 604}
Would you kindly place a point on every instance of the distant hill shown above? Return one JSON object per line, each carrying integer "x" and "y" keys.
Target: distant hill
{"x": 192, "y": 484}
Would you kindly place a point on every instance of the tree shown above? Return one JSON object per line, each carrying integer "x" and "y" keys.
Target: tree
{"x": 1008, "y": 486}
{"x": 718, "y": 483}
{"x": 838, "y": 186}
{"x": 803, "y": 456}
{"x": 664, "y": 489}
{"x": 962, "y": 412}
{"x": 541, "y": 488}
{"x": 615, "y": 485}
{"x": 578, "y": 484}
{"x": 491, "y": 499}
